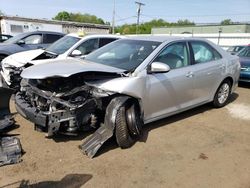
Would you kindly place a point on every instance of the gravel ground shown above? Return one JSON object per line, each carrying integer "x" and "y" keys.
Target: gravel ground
{"x": 203, "y": 147}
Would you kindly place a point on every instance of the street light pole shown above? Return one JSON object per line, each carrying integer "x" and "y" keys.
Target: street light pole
{"x": 113, "y": 20}
{"x": 138, "y": 15}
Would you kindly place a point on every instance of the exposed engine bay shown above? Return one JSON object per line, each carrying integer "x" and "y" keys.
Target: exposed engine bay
{"x": 64, "y": 104}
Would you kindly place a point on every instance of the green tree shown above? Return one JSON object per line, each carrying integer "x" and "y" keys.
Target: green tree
{"x": 184, "y": 23}
{"x": 78, "y": 17}
{"x": 145, "y": 28}
{"x": 63, "y": 16}
{"x": 226, "y": 22}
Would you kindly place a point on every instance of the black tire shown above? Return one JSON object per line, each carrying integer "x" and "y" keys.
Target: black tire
{"x": 223, "y": 90}
{"x": 123, "y": 137}
{"x": 134, "y": 120}
{"x": 1, "y": 58}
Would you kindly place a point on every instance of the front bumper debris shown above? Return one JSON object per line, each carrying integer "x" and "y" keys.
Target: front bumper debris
{"x": 106, "y": 131}
{"x": 10, "y": 147}
{"x": 53, "y": 121}
{"x": 29, "y": 112}
{"x": 10, "y": 150}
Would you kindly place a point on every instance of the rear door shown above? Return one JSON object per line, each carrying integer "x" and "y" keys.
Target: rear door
{"x": 208, "y": 67}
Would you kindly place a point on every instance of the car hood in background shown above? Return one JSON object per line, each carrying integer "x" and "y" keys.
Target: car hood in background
{"x": 245, "y": 62}
{"x": 66, "y": 68}
{"x": 21, "y": 58}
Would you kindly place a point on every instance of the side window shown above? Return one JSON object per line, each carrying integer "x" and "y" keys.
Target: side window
{"x": 175, "y": 55}
{"x": 50, "y": 38}
{"x": 88, "y": 46}
{"x": 33, "y": 39}
{"x": 104, "y": 41}
{"x": 203, "y": 52}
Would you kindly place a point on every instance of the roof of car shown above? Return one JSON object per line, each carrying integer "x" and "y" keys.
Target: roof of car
{"x": 155, "y": 38}
{"x": 44, "y": 32}
{"x": 82, "y": 35}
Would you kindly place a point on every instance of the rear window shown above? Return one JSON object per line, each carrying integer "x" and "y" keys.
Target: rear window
{"x": 104, "y": 41}
{"x": 50, "y": 38}
{"x": 245, "y": 52}
{"x": 203, "y": 52}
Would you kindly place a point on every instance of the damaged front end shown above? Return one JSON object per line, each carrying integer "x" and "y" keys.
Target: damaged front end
{"x": 63, "y": 105}
{"x": 11, "y": 75}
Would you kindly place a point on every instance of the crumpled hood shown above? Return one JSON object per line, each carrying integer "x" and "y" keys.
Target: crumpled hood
{"x": 66, "y": 68}
{"x": 21, "y": 58}
{"x": 244, "y": 62}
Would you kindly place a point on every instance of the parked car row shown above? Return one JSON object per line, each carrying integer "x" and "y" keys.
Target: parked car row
{"x": 28, "y": 41}
{"x": 67, "y": 47}
{"x": 4, "y": 37}
{"x": 119, "y": 87}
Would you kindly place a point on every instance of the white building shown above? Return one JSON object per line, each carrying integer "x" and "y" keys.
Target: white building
{"x": 13, "y": 25}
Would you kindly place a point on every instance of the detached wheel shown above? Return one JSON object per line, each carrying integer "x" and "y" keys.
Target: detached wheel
{"x": 222, "y": 94}
{"x": 128, "y": 125}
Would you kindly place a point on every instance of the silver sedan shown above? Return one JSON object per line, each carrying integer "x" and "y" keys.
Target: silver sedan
{"x": 125, "y": 85}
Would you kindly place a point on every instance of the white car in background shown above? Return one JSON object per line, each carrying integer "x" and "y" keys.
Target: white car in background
{"x": 70, "y": 46}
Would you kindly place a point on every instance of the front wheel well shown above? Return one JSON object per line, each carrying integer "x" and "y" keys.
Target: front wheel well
{"x": 230, "y": 79}
{"x": 132, "y": 100}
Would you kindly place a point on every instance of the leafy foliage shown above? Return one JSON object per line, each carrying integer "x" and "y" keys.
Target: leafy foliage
{"x": 78, "y": 17}
{"x": 226, "y": 22}
{"x": 145, "y": 28}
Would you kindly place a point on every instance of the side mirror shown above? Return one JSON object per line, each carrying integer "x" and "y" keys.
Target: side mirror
{"x": 20, "y": 42}
{"x": 158, "y": 67}
{"x": 76, "y": 53}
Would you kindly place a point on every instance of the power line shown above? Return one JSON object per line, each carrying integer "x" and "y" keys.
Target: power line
{"x": 122, "y": 19}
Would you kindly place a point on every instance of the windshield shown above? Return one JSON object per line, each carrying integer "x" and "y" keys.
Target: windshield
{"x": 124, "y": 54}
{"x": 245, "y": 52}
{"x": 62, "y": 45}
{"x": 15, "y": 39}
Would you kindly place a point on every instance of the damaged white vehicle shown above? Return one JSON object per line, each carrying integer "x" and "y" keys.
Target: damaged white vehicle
{"x": 68, "y": 47}
{"x": 124, "y": 85}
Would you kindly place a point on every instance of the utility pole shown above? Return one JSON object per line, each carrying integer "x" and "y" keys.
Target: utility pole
{"x": 138, "y": 15}
{"x": 113, "y": 20}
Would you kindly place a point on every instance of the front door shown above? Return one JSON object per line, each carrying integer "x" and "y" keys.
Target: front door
{"x": 172, "y": 91}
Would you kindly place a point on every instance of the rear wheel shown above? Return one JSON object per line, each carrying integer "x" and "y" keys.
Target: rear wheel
{"x": 222, "y": 94}
{"x": 128, "y": 125}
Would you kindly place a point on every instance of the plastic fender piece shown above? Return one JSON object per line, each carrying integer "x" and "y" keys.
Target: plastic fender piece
{"x": 10, "y": 150}
{"x": 106, "y": 131}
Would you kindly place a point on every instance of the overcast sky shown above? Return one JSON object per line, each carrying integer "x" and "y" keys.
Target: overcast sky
{"x": 199, "y": 11}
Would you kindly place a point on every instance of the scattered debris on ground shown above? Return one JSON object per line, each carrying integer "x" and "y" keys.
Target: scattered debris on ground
{"x": 10, "y": 147}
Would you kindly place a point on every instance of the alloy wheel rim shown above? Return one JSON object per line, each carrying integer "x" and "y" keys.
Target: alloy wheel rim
{"x": 223, "y": 93}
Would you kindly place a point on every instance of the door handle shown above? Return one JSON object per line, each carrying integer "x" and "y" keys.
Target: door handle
{"x": 190, "y": 74}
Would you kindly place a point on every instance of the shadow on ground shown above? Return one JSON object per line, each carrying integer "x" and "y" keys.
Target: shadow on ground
{"x": 111, "y": 143}
{"x": 69, "y": 181}
{"x": 181, "y": 116}
{"x": 244, "y": 85}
